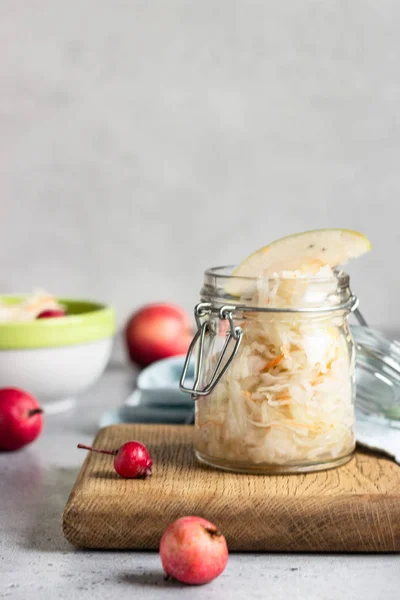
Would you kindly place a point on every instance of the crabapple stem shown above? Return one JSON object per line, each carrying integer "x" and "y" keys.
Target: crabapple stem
{"x": 213, "y": 532}
{"x": 35, "y": 411}
{"x": 83, "y": 447}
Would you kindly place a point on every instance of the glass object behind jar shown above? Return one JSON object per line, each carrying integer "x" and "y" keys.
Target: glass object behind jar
{"x": 286, "y": 403}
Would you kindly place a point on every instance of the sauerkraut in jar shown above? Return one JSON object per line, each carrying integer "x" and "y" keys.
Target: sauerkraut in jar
{"x": 282, "y": 357}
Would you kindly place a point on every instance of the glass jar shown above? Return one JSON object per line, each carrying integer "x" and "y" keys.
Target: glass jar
{"x": 274, "y": 375}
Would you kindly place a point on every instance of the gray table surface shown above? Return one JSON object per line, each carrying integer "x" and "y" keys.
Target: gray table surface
{"x": 37, "y": 562}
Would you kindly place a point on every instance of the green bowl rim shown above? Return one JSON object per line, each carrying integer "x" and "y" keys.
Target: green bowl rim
{"x": 95, "y": 322}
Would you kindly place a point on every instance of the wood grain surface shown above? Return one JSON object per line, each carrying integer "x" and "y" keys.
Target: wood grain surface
{"x": 355, "y": 508}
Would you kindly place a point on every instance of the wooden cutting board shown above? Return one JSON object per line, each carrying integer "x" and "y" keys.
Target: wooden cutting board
{"x": 353, "y": 508}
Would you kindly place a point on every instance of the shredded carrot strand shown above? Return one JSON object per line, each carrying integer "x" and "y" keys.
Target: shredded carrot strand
{"x": 272, "y": 363}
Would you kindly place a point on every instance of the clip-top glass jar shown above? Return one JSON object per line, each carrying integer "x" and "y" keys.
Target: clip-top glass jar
{"x": 274, "y": 380}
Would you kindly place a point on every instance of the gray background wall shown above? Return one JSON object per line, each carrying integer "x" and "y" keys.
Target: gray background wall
{"x": 141, "y": 142}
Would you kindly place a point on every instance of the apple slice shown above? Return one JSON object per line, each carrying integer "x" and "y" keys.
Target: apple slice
{"x": 307, "y": 252}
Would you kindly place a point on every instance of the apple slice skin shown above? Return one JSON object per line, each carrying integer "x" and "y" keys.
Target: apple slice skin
{"x": 307, "y": 252}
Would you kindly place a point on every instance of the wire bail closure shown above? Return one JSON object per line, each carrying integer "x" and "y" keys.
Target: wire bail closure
{"x": 225, "y": 313}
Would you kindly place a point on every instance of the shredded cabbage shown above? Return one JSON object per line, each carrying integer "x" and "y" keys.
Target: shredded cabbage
{"x": 29, "y": 308}
{"x": 287, "y": 398}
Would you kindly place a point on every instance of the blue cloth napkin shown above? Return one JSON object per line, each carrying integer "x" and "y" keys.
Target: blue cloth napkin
{"x": 157, "y": 398}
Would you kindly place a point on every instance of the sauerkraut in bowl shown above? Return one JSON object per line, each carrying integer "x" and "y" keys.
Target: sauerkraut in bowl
{"x": 30, "y": 307}
{"x": 286, "y": 401}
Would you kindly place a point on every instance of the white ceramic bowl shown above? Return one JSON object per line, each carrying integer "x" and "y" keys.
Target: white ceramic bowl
{"x": 56, "y": 359}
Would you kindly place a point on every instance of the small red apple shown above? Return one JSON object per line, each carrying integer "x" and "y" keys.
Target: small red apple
{"x": 51, "y": 313}
{"x": 21, "y": 419}
{"x": 193, "y": 551}
{"x": 131, "y": 461}
{"x": 157, "y": 331}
